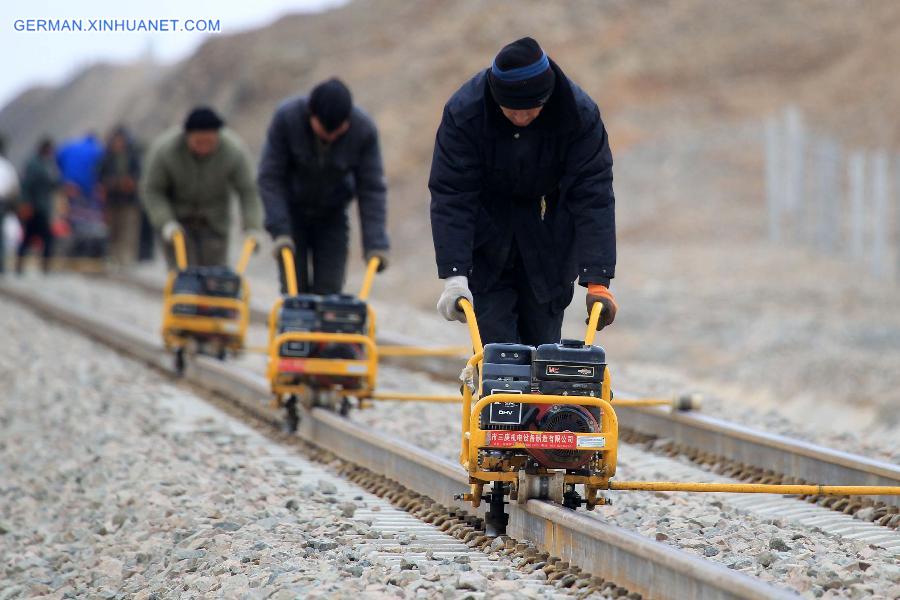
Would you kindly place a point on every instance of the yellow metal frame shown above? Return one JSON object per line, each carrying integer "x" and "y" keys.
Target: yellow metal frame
{"x": 474, "y": 439}
{"x": 365, "y": 370}
{"x": 178, "y": 330}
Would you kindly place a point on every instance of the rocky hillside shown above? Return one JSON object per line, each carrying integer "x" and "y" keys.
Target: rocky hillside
{"x": 694, "y": 57}
{"x": 682, "y": 84}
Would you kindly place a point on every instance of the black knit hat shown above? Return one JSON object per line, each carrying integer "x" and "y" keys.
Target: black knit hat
{"x": 331, "y": 103}
{"x": 203, "y": 118}
{"x": 521, "y": 76}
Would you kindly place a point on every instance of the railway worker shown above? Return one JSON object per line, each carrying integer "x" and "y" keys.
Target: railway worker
{"x": 320, "y": 153}
{"x": 522, "y": 199}
{"x": 9, "y": 192}
{"x": 78, "y": 159}
{"x": 40, "y": 183}
{"x": 190, "y": 176}
{"x": 118, "y": 174}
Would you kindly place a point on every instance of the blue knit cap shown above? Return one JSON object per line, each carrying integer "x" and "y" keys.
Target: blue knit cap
{"x": 521, "y": 76}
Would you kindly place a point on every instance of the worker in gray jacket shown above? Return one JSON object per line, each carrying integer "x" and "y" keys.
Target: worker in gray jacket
{"x": 190, "y": 176}
{"x": 320, "y": 153}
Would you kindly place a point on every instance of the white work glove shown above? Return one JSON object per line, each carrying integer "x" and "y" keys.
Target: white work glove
{"x": 257, "y": 235}
{"x": 382, "y": 256}
{"x": 169, "y": 230}
{"x": 282, "y": 241}
{"x": 454, "y": 288}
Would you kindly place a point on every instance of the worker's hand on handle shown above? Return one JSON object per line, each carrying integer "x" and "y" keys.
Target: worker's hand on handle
{"x": 282, "y": 241}
{"x": 600, "y": 293}
{"x": 381, "y": 255}
{"x": 454, "y": 288}
{"x": 169, "y": 230}
{"x": 257, "y": 235}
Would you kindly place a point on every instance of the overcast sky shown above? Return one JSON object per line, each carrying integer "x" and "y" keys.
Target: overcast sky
{"x": 31, "y": 58}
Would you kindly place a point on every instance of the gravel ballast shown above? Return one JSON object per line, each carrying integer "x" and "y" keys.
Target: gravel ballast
{"x": 117, "y": 484}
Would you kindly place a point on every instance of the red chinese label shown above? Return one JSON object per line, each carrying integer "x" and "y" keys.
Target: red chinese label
{"x": 292, "y": 365}
{"x": 533, "y": 439}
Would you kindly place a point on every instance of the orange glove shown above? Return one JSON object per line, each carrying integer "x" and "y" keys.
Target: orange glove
{"x": 598, "y": 292}
{"x": 25, "y": 212}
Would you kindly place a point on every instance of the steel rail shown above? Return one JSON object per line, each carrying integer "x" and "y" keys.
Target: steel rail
{"x": 790, "y": 458}
{"x": 637, "y": 563}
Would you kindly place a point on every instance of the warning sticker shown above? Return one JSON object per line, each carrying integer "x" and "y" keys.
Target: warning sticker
{"x": 292, "y": 365}
{"x": 533, "y": 439}
{"x": 592, "y": 441}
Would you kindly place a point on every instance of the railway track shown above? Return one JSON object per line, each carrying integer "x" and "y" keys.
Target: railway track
{"x": 727, "y": 448}
{"x": 568, "y": 543}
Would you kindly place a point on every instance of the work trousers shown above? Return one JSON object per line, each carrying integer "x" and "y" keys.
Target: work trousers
{"x": 321, "y": 253}
{"x": 124, "y": 229}
{"x": 205, "y": 246}
{"x": 508, "y": 310}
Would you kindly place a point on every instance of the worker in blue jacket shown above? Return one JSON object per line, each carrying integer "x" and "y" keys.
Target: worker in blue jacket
{"x": 522, "y": 199}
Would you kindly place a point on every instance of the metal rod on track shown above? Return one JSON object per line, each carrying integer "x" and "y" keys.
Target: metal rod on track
{"x": 452, "y": 351}
{"x": 757, "y": 488}
{"x": 412, "y": 397}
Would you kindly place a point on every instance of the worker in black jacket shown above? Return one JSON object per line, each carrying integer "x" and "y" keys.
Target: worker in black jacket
{"x": 522, "y": 199}
{"x": 320, "y": 153}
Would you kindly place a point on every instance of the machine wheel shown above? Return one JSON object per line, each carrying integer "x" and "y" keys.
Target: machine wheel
{"x": 571, "y": 498}
{"x": 291, "y": 416}
{"x": 179, "y": 361}
{"x": 221, "y": 353}
{"x": 344, "y": 408}
{"x": 496, "y": 519}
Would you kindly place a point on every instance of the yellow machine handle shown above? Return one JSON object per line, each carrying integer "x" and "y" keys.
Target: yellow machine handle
{"x": 246, "y": 251}
{"x": 596, "y": 309}
{"x": 469, "y": 310}
{"x": 180, "y": 249}
{"x": 290, "y": 273}
{"x": 371, "y": 269}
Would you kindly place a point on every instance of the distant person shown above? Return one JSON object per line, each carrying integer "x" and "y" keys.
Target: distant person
{"x": 9, "y": 193}
{"x": 78, "y": 160}
{"x": 522, "y": 199}
{"x": 320, "y": 153}
{"x": 39, "y": 185}
{"x": 187, "y": 184}
{"x": 145, "y": 238}
{"x": 118, "y": 175}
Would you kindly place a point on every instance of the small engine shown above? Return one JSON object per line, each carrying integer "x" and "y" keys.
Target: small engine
{"x": 298, "y": 313}
{"x": 506, "y": 369}
{"x": 562, "y": 417}
{"x": 218, "y": 282}
{"x": 336, "y": 313}
{"x": 568, "y": 368}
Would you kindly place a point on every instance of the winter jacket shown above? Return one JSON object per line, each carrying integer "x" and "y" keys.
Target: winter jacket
{"x": 177, "y": 185}
{"x": 545, "y": 190}
{"x": 301, "y": 178}
{"x": 112, "y": 169}
{"x": 40, "y": 181}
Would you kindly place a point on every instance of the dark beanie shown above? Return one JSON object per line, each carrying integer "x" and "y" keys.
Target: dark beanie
{"x": 331, "y": 103}
{"x": 203, "y": 118}
{"x": 521, "y": 76}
